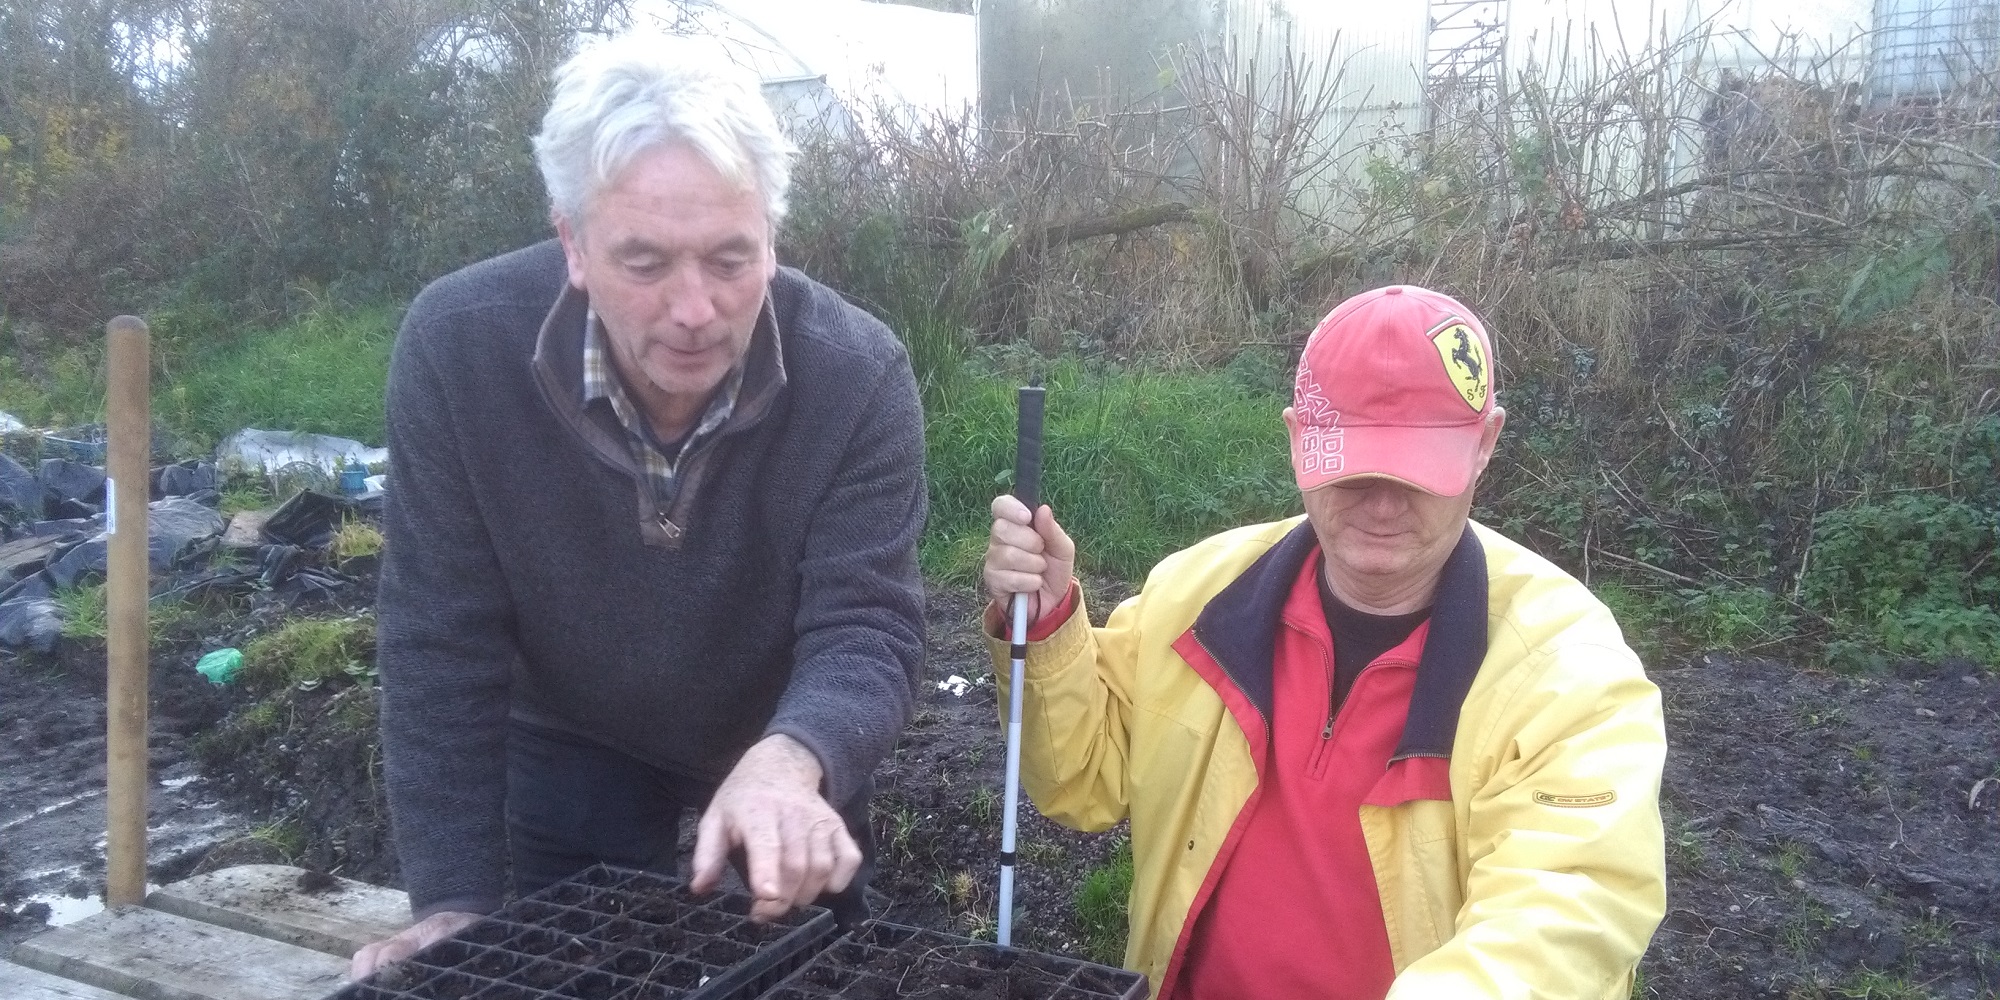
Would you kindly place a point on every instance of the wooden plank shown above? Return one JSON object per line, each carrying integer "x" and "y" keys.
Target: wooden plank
{"x": 246, "y": 529}
{"x": 18, "y": 982}
{"x": 151, "y": 955}
{"x": 322, "y": 912}
{"x": 24, "y": 551}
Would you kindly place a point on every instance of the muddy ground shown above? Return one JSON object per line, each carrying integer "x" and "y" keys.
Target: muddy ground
{"x": 1823, "y": 836}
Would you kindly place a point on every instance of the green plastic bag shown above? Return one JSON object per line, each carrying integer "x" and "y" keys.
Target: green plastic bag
{"x": 220, "y": 667}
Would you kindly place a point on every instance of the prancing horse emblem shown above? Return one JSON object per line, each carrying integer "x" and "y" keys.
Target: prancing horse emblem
{"x": 1464, "y": 361}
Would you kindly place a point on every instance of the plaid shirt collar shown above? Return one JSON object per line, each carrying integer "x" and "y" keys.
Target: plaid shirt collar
{"x": 601, "y": 381}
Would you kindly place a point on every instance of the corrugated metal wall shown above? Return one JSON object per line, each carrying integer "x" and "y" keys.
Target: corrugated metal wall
{"x": 1927, "y": 49}
{"x": 1373, "y": 52}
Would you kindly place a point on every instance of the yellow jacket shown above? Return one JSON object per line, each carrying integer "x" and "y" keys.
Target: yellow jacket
{"x": 1543, "y": 876}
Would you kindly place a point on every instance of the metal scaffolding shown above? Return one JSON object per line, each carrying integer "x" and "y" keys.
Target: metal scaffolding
{"x": 1462, "y": 59}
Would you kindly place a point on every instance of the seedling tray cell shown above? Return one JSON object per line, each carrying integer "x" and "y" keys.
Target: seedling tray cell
{"x": 608, "y": 934}
{"x": 884, "y": 961}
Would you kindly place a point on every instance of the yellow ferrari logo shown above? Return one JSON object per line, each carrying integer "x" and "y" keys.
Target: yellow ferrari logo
{"x": 1465, "y": 361}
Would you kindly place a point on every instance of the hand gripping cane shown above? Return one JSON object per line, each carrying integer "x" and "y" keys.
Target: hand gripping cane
{"x": 1027, "y": 488}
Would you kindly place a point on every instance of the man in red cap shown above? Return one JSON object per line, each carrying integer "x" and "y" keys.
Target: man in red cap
{"x": 1375, "y": 751}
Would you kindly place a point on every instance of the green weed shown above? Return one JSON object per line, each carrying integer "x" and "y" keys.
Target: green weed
{"x": 357, "y": 538}
{"x": 1912, "y": 575}
{"x": 1042, "y": 853}
{"x": 985, "y": 803}
{"x": 1803, "y": 931}
{"x": 1735, "y": 617}
{"x": 262, "y": 717}
{"x": 902, "y": 827}
{"x": 1872, "y": 985}
{"x": 1644, "y": 616}
{"x": 286, "y": 836}
{"x": 1102, "y": 903}
{"x": 84, "y": 614}
{"x": 306, "y": 651}
{"x": 1688, "y": 847}
{"x": 83, "y": 611}
{"x": 1932, "y": 931}
{"x": 241, "y": 493}
{"x": 1791, "y": 860}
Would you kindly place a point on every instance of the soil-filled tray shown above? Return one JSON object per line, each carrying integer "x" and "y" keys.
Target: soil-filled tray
{"x": 608, "y": 934}
{"x": 882, "y": 961}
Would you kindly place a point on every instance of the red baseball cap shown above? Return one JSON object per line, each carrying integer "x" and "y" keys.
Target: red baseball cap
{"x": 1394, "y": 382}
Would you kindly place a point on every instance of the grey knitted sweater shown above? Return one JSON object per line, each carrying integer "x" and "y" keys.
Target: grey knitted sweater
{"x": 530, "y": 572}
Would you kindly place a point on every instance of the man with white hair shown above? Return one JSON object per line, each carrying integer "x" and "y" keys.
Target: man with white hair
{"x": 1375, "y": 751}
{"x": 653, "y": 511}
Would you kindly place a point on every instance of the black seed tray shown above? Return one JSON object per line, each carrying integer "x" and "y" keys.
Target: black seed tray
{"x": 884, "y": 961}
{"x": 608, "y": 934}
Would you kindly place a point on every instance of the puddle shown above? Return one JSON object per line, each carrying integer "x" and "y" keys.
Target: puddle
{"x": 70, "y": 909}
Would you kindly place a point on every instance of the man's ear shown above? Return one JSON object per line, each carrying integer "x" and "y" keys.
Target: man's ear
{"x": 572, "y": 244}
{"x": 1489, "y": 438}
{"x": 1291, "y": 421}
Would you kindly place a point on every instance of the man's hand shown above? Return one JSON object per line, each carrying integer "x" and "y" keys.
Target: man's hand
{"x": 796, "y": 847}
{"x": 1028, "y": 555}
{"x": 413, "y": 939}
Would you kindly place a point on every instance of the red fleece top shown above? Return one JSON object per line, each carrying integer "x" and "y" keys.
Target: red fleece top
{"x": 1295, "y": 912}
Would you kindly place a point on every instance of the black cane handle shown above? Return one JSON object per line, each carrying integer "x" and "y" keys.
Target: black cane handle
{"x": 1028, "y": 448}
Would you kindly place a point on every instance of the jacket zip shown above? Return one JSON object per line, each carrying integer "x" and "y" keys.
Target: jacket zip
{"x": 1316, "y": 767}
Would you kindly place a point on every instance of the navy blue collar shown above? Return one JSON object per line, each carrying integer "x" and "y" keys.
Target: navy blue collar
{"x": 1239, "y": 627}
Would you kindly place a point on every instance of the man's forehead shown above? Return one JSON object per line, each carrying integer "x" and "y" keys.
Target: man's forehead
{"x": 631, "y": 244}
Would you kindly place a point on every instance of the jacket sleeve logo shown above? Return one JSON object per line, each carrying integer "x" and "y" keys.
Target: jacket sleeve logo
{"x": 1576, "y": 801}
{"x": 1464, "y": 361}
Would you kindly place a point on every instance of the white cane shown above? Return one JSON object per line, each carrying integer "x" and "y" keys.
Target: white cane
{"x": 1027, "y": 488}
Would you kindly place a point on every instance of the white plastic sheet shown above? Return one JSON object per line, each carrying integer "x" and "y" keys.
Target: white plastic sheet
{"x": 8, "y": 423}
{"x": 253, "y": 450}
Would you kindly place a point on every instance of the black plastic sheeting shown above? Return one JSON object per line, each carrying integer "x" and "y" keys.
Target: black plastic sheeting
{"x": 30, "y": 623}
{"x": 52, "y": 538}
{"x": 175, "y": 528}
{"x": 23, "y": 498}
{"x": 186, "y": 479}
{"x": 308, "y": 520}
{"x": 74, "y": 480}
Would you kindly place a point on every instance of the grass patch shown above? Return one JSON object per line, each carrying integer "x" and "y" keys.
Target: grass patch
{"x": 1661, "y": 621}
{"x": 244, "y": 492}
{"x": 1102, "y": 903}
{"x": 355, "y": 539}
{"x": 85, "y": 615}
{"x": 1872, "y": 985}
{"x": 1135, "y": 463}
{"x": 83, "y": 611}
{"x": 310, "y": 651}
{"x": 321, "y": 373}
{"x": 68, "y": 389}
{"x": 287, "y": 837}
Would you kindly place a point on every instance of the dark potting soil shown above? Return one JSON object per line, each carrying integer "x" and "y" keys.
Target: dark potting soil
{"x": 887, "y": 960}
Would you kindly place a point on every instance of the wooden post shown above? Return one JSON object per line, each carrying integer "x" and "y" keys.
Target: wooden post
{"x": 128, "y": 408}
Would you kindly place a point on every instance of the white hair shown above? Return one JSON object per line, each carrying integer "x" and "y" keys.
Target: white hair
{"x": 624, "y": 96}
